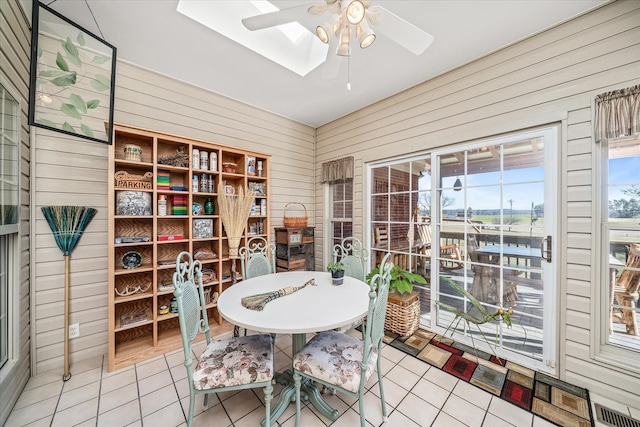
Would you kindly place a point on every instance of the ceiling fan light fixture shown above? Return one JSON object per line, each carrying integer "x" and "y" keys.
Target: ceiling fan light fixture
{"x": 355, "y": 12}
{"x": 366, "y": 36}
{"x": 343, "y": 47}
{"x": 322, "y": 33}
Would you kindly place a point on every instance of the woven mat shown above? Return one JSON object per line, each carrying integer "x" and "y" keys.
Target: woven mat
{"x": 549, "y": 398}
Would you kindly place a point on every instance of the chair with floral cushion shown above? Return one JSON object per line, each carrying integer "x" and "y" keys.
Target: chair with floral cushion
{"x": 225, "y": 364}
{"x": 344, "y": 362}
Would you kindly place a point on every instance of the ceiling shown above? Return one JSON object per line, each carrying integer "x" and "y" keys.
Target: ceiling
{"x": 152, "y": 34}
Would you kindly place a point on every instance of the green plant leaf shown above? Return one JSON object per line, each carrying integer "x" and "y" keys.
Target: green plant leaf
{"x": 67, "y": 80}
{"x": 70, "y": 111}
{"x": 99, "y": 59}
{"x": 78, "y": 102}
{"x": 401, "y": 281}
{"x": 101, "y": 83}
{"x": 93, "y": 103}
{"x": 46, "y": 122}
{"x": 61, "y": 63}
{"x": 66, "y": 126}
{"x": 80, "y": 39}
{"x": 39, "y": 54}
{"x": 86, "y": 130}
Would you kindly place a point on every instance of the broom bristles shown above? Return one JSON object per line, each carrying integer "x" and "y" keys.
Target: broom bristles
{"x": 67, "y": 224}
{"x": 234, "y": 210}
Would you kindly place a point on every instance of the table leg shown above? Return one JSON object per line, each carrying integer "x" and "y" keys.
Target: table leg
{"x": 307, "y": 391}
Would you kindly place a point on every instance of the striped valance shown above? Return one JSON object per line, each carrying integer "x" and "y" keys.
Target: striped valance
{"x": 618, "y": 113}
{"x": 337, "y": 169}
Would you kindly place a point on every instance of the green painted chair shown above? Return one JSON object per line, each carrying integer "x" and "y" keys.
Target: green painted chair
{"x": 257, "y": 258}
{"x": 323, "y": 358}
{"x": 353, "y": 255}
{"x": 351, "y": 252}
{"x": 213, "y": 371}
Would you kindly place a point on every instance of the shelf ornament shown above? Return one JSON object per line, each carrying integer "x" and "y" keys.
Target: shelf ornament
{"x": 67, "y": 224}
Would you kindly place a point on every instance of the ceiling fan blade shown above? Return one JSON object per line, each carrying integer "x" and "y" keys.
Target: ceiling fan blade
{"x": 400, "y": 31}
{"x": 279, "y": 17}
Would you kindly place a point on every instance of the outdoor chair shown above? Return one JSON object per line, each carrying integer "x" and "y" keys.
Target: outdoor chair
{"x": 323, "y": 358}
{"x": 213, "y": 372}
{"x": 450, "y": 255}
{"x": 625, "y": 292}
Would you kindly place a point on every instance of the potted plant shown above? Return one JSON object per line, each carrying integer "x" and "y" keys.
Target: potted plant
{"x": 403, "y": 305}
{"x": 401, "y": 280}
{"x": 337, "y": 272}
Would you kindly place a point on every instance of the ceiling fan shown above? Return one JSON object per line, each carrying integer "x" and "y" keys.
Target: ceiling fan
{"x": 349, "y": 20}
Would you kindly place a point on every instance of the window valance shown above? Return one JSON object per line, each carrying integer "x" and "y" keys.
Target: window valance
{"x": 336, "y": 170}
{"x": 618, "y": 113}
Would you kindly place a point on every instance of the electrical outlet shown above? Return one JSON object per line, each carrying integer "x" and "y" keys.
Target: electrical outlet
{"x": 74, "y": 330}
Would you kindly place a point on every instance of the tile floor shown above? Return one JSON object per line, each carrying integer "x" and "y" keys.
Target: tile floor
{"x": 155, "y": 393}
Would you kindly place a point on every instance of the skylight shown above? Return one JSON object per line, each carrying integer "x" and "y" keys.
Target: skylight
{"x": 290, "y": 45}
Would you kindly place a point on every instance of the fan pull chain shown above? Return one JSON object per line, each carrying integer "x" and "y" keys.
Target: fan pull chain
{"x": 348, "y": 63}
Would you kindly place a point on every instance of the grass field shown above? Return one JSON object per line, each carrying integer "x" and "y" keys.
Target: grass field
{"x": 518, "y": 219}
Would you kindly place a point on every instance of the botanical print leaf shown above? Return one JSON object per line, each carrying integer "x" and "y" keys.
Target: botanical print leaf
{"x": 70, "y": 110}
{"x": 66, "y": 126}
{"x": 46, "y": 122}
{"x": 72, "y": 52}
{"x": 80, "y": 39}
{"x": 93, "y": 104}
{"x": 78, "y": 102}
{"x": 66, "y": 80}
{"x": 99, "y": 59}
{"x": 86, "y": 130}
{"x": 61, "y": 63}
{"x": 51, "y": 73}
{"x": 70, "y": 48}
{"x": 101, "y": 83}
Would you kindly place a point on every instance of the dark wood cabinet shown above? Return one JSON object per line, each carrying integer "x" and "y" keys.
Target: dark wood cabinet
{"x": 294, "y": 249}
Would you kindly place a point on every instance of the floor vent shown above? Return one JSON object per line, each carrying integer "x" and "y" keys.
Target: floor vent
{"x": 613, "y": 418}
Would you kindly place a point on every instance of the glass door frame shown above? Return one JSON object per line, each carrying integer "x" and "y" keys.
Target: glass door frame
{"x": 552, "y": 198}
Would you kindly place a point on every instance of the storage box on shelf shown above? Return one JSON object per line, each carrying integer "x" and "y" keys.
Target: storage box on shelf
{"x": 163, "y": 202}
{"x": 294, "y": 249}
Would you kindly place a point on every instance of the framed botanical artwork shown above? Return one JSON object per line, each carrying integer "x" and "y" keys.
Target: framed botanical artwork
{"x": 72, "y": 77}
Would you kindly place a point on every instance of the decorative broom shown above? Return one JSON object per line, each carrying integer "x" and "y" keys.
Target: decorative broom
{"x": 234, "y": 212}
{"x": 67, "y": 224}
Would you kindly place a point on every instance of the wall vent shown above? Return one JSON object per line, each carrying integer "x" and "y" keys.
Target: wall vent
{"x": 615, "y": 419}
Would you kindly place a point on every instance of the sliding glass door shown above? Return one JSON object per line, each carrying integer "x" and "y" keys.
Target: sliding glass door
{"x": 478, "y": 222}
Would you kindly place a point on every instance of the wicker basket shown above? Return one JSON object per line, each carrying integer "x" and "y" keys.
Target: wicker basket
{"x": 403, "y": 313}
{"x": 295, "y": 221}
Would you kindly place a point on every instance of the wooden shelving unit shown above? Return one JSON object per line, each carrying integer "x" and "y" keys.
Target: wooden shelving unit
{"x": 143, "y": 244}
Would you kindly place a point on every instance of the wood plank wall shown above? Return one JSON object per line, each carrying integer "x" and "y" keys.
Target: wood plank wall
{"x": 552, "y": 77}
{"x": 74, "y": 171}
{"x": 15, "y": 50}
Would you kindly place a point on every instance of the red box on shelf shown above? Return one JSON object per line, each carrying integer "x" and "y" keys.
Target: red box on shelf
{"x": 166, "y": 237}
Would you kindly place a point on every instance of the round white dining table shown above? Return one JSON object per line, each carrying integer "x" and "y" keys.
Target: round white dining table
{"x": 311, "y": 309}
